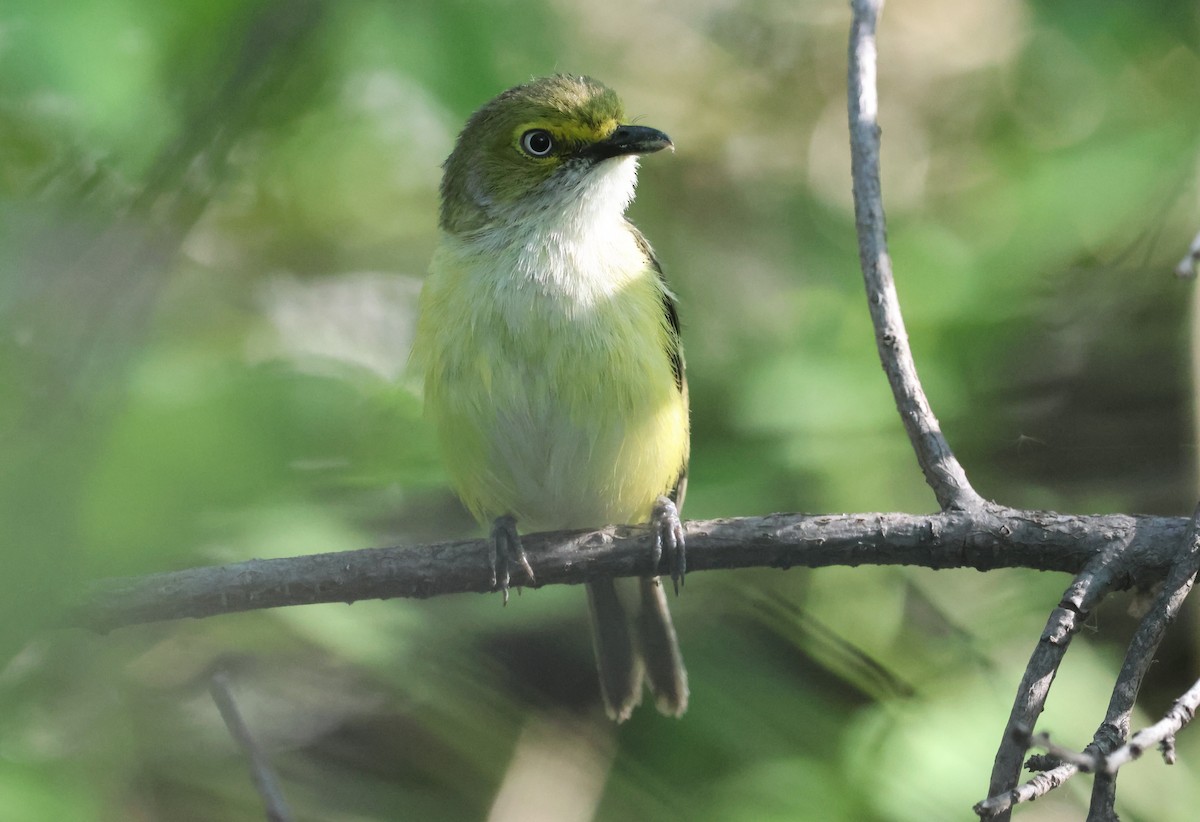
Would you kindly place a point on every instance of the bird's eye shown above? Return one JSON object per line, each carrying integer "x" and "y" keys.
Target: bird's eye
{"x": 537, "y": 142}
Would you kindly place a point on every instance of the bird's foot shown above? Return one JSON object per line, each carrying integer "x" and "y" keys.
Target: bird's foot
{"x": 668, "y": 539}
{"x": 507, "y": 550}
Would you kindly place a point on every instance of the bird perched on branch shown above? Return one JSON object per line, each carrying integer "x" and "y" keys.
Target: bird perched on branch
{"x": 553, "y": 366}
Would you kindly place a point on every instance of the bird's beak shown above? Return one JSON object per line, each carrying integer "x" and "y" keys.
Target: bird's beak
{"x": 630, "y": 140}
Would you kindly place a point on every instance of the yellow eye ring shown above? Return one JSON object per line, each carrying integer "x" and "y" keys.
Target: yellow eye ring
{"x": 537, "y": 142}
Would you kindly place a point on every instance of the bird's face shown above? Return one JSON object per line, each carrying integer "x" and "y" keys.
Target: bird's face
{"x": 543, "y": 147}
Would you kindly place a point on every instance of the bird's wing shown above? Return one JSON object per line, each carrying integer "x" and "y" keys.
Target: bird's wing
{"x": 674, "y": 348}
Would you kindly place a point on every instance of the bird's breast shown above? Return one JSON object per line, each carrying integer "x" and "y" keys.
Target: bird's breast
{"x": 549, "y": 381}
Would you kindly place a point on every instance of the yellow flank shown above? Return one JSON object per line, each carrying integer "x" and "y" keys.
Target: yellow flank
{"x": 548, "y": 377}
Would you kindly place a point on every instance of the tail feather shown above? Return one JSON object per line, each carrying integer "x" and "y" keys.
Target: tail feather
{"x": 660, "y": 649}
{"x": 617, "y": 659}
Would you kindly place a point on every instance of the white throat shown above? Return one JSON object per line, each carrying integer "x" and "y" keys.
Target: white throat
{"x": 573, "y": 243}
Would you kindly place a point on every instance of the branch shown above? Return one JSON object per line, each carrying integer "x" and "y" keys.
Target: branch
{"x": 949, "y": 482}
{"x": 265, "y": 781}
{"x": 1160, "y": 734}
{"x": 1094, "y": 759}
{"x": 1000, "y": 805}
{"x": 1092, "y": 584}
{"x": 1138, "y": 659}
{"x": 1003, "y": 793}
{"x": 989, "y": 538}
{"x": 1086, "y": 761}
{"x": 942, "y": 470}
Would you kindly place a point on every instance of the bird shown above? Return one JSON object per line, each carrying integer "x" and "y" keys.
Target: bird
{"x": 553, "y": 366}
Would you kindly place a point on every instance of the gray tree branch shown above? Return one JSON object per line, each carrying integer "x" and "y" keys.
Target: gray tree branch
{"x": 1087, "y": 589}
{"x": 941, "y": 468}
{"x": 1000, "y": 804}
{"x": 949, "y": 482}
{"x": 1138, "y": 659}
{"x": 1160, "y": 734}
{"x": 1095, "y": 758}
{"x": 990, "y": 537}
{"x": 1099, "y": 756}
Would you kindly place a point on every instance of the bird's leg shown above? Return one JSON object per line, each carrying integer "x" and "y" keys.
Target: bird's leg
{"x": 668, "y": 538}
{"x": 506, "y": 550}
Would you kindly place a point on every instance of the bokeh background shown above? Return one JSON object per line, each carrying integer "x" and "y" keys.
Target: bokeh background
{"x": 214, "y": 221}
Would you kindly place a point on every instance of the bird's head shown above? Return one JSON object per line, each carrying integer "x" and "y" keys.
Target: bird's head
{"x": 554, "y": 147}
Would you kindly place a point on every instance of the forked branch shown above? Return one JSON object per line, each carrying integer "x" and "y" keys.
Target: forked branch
{"x": 949, "y": 482}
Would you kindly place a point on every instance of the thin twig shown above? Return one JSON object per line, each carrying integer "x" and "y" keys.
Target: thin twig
{"x": 1097, "y": 756}
{"x": 942, "y": 470}
{"x": 1084, "y": 593}
{"x": 1138, "y": 659}
{"x": 1187, "y": 266}
{"x": 982, "y": 539}
{"x": 999, "y": 805}
{"x": 1161, "y": 734}
{"x": 265, "y": 781}
{"x": 1082, "y": 761}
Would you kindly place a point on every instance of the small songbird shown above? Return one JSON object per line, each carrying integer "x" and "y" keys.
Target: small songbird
{"x": 553, "y": 367}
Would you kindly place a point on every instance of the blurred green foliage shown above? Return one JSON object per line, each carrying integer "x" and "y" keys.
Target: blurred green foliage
{"x": 214, "y": 218}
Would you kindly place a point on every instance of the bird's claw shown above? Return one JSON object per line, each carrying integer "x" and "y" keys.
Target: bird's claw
{"x": 506, "y": 550}
{"x": 668, "y": 539}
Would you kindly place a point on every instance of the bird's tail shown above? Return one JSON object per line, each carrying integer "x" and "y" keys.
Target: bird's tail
{"x": 622, "y": 664}
{"x": 660, "y": 648}
{"x": 617, "y": 659}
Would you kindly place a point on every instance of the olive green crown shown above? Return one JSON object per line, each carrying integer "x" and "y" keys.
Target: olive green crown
{"x": 487, "y": 172}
